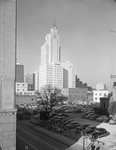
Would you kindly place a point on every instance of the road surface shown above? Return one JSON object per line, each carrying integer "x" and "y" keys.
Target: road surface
{"x": 29, "y": 139}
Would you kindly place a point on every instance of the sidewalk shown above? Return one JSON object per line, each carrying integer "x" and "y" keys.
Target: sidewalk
{"x": 53, "y": 135}
{"x": 110, "y": 140}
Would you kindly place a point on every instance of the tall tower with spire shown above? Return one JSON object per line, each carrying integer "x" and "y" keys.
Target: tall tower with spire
{"x": 50, "y": 70}
{"x": 51, "y": 50}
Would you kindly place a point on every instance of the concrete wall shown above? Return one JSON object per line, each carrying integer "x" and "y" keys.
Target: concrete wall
{"x": 7, "y": 53}
{"x": 21, "y": 99}
{"x": 8, "y": 130}
{"x": 7, "y": 74}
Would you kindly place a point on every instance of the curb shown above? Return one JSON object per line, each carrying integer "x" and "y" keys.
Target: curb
{"x": 51, "y": 134}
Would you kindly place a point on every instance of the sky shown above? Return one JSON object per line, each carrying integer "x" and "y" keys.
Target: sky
{"x": 87, "y": 30}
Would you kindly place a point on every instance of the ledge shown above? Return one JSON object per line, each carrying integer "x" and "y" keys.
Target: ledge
{"x": 8, "y": 112}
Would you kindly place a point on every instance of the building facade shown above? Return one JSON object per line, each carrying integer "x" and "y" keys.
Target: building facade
{"x": 7, "y": 74}
{"x": 70, "y": 76}
{"x": 51, "y": 74}
{"x": 21, "y": 87}
{"x": 112, "y": 81}
{"x": 99, "y": 94}
{"x": 29, "y": 78}
{"x": 36, "y": 81}
{"x": 25, "y": 99}
{"x": 51, "y": 70}
{"x": 19, "y": 72}
{"x": 29, "y": 81}
{"x": 101, "y": 86}
{"x": 80, "y": 84}
{"x": 75, "y": 94}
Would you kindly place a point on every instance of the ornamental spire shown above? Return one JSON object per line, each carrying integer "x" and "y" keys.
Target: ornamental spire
{"x": 54, "y": 22}
{"x": 54, "y": 25}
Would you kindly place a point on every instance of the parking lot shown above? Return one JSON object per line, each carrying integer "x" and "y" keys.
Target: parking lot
{"x": 78, "y": 118}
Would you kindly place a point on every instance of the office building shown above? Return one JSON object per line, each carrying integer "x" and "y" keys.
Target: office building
{"x": 29, "y": 80}
{"x": 69, "y": 74}
{"x": 19, "y": 72}
{"x": 52, "y": 70}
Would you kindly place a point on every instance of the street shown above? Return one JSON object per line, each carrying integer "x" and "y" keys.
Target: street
{"x": 32, "y": 140}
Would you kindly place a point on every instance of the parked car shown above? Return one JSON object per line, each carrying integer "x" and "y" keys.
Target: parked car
{"x": 89, "y": 115}
{"x": 94, "y": 117}
{"x": 63, "y": 120}
{"x": 72, "y": 125}
{"x": 81, "y": 127}
{"x": 103, "y": 119}
{"x": 62, "y": 114}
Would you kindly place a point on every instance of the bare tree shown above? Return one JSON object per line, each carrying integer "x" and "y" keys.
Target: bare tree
{"x": 49, "y": 97}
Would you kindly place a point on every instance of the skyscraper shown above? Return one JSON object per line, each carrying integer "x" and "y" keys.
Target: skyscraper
{"x": 51, "y": 50}
{"x": 71, "y": 71}
{"x": 51, "y": 70}
{"x": 19, "y": 72}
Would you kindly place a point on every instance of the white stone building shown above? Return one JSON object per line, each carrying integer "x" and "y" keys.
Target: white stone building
{"x": 101, "y": 91}
{"x": 51, "y": 70}
{"x": 71, "y": 74}
{"x": 101, "y": 86}
{"x": 21, "y": 87}
{"x": 98, "y": 94}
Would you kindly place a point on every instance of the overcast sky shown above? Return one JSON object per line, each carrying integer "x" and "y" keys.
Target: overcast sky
{"x": 85, "y": 31}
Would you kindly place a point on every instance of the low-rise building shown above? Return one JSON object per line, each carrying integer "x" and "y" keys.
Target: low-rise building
{"x": 98, "y": 94}
{"x": 25, "y": 99}
{"x": 75, "y": 93}
{"x": 22, "y": 89}
{"x": 101, "y": 86}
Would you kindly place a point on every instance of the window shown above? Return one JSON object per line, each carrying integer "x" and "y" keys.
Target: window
{"x": 96, "y": 98}
{"x": 104, "y": 94}
{"x": 100, "y": 94}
